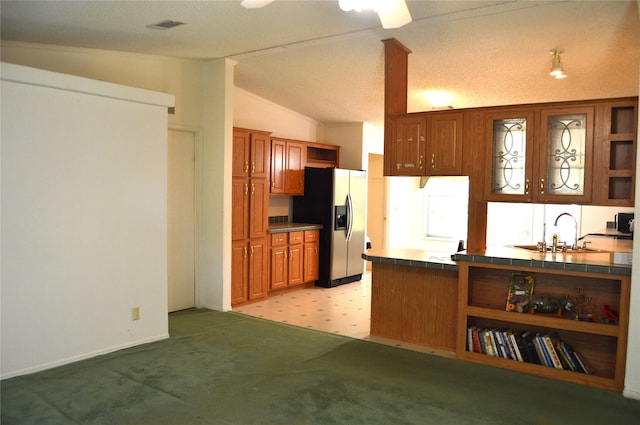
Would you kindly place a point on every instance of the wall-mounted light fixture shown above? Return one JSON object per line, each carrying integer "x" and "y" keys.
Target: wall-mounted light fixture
{"x": 557, "y": 70}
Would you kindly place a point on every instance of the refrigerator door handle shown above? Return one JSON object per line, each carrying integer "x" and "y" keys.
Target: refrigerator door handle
{"x": 349, "y": 216}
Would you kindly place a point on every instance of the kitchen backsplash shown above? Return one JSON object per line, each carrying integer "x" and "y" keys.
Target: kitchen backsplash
{"x": 278, "y": 219}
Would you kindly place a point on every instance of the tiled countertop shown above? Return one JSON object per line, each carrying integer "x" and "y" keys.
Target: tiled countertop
{"x": 412, "y": 257}
{"x": 292, "y": 227}
{"x": 591, "y": 263}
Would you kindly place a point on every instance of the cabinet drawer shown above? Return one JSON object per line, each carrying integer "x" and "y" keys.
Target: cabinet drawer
{"x": 311, "y": 235}
{"x": 279, "y": 239}
{"x": 296, "y": 237}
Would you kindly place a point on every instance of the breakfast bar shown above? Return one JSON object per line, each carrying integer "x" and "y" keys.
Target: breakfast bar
{"x": 436, "y": 300}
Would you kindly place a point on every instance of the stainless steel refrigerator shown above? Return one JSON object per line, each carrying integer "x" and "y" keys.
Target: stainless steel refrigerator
{"x": 336, "y": 199}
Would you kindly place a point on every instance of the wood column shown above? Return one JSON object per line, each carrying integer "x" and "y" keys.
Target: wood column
{"x": 396, "y": 60}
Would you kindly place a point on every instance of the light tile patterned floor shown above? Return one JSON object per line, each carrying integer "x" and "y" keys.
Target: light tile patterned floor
{"x": 344, "y": 310}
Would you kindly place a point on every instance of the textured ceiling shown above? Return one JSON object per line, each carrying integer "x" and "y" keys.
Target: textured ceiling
{"x": 311, "y": 57}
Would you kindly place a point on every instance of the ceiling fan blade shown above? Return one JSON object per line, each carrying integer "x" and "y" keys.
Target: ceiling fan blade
{"x": 394, "y": 16}
{"x": 255, "y": 4}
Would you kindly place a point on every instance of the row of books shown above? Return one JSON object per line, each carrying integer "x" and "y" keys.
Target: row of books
{"x": 545, "y": 349}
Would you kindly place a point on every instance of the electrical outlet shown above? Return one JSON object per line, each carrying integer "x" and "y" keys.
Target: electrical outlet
{"x": 135, "y": 313}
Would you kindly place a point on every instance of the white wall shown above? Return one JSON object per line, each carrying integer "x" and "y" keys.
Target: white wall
{"x": 254, "y": 112}
{"x": 350, "y": 137}
{"x": 84, "y": 213}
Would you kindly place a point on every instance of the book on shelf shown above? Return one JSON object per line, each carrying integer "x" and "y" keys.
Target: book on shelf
{"x": 489, "y": 342}
{"x": 583, "y": 365}
{"x": 544, "y": 357}
{"x": 499, "y": 343}
{"x": 565, "y": 357}
{"x": 520, "y": 292}
{"x": 548, "y": 341}
{"x": 546, "y": 349}
{"x": 513, "y": 344}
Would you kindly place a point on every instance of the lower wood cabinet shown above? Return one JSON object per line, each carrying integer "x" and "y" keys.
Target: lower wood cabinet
{"x": 249, "y": 270}
{"x": 311, "y": 258}
{"x": 294, "y": 258}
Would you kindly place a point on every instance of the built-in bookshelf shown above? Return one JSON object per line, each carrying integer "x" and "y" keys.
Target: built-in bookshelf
{"x": 600, "y": 344}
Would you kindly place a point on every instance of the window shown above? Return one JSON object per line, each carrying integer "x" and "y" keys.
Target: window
{"x": 527, "y": 224}
{"x": 445, "y": 206}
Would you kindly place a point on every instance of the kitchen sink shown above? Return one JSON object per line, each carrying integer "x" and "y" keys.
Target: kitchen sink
{"x": 534, "y": 248}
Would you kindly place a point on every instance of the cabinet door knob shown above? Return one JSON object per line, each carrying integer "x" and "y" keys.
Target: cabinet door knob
{"x": 433, "y": 160}
{"x": 253, "y": 189}
{"x": 253, "y": 167}
{"x": 246, "y": 166}
{"x": 246, "y": 188}
{"x": 542, "y": 186}
{"x": 420, "y": 162}
{"x": 245, "y": 251}
{"x": 526, "y": 187}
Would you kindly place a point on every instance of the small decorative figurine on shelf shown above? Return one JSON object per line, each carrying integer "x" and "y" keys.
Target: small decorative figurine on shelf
{"x": 610, "y": 316}
{"x": 580, "y": 302}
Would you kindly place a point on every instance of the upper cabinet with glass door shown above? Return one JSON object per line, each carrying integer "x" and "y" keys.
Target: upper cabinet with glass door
{"x": 540, "y": 155}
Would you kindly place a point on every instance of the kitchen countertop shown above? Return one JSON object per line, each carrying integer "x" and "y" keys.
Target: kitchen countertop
{"x": 593, "y": 262}
{"x": 412, "y": 257}
{"x": 292, "y": 227}
{"x": 590, "y": 262}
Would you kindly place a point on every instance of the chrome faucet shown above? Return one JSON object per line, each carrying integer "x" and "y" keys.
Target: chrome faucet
{"x": 575, "y": 223}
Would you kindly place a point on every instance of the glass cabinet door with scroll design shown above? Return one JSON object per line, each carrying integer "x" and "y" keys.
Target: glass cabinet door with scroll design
{"x": 566, "y": 155}
{"x": 509, "y": 175}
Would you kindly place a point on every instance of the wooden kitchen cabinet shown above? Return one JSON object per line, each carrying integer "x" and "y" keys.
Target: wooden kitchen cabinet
{"x": 249, "y": 219}
{"x": 483, "y": 289}
{"x": 288, "y": 159}
{"x": 425, "y": 144}
{"x": 407, "y": 150}
{"x": 279, "y": 265}
{"x": 542, "y": 154}
{"x": 321, "y": 155}
{"x": 296, "y": 258}
{"x": 615, "y": 153}
{"x": 311, "y": 255}
{"x": 444, "y": 143}
{"x": 287, "y": 259}
{"x": 249, "y": 208}
{"x": 249, "y": 270}
{"x": 251, "y": 153}
{"x": 239, "y": 272}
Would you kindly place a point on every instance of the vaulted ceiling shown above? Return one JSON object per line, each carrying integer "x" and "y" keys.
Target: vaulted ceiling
{"x": 312, "y": 57}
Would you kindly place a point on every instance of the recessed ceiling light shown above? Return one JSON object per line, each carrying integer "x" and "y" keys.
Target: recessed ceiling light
{"x": 165, "y": 25}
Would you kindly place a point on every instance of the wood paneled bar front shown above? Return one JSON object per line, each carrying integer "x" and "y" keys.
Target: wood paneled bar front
{"x": 414, "y": 297}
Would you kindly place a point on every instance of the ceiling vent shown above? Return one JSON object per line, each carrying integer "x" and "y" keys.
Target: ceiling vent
{"x": 165, "y": 25}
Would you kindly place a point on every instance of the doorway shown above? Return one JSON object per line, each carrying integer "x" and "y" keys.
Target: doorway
{"x": 181, "y": 219}
{"x": 376, "y": 203}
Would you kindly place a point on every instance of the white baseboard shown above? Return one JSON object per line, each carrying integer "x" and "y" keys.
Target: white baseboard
{"x": 631, "y": 393}
{"x": 84, "y": 356}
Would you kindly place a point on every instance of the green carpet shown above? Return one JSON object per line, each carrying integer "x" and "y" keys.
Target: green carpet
{"x": 226, "y": 368}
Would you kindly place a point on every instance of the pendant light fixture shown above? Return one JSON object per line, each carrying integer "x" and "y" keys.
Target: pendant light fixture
{"x": 557, "y": 70}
